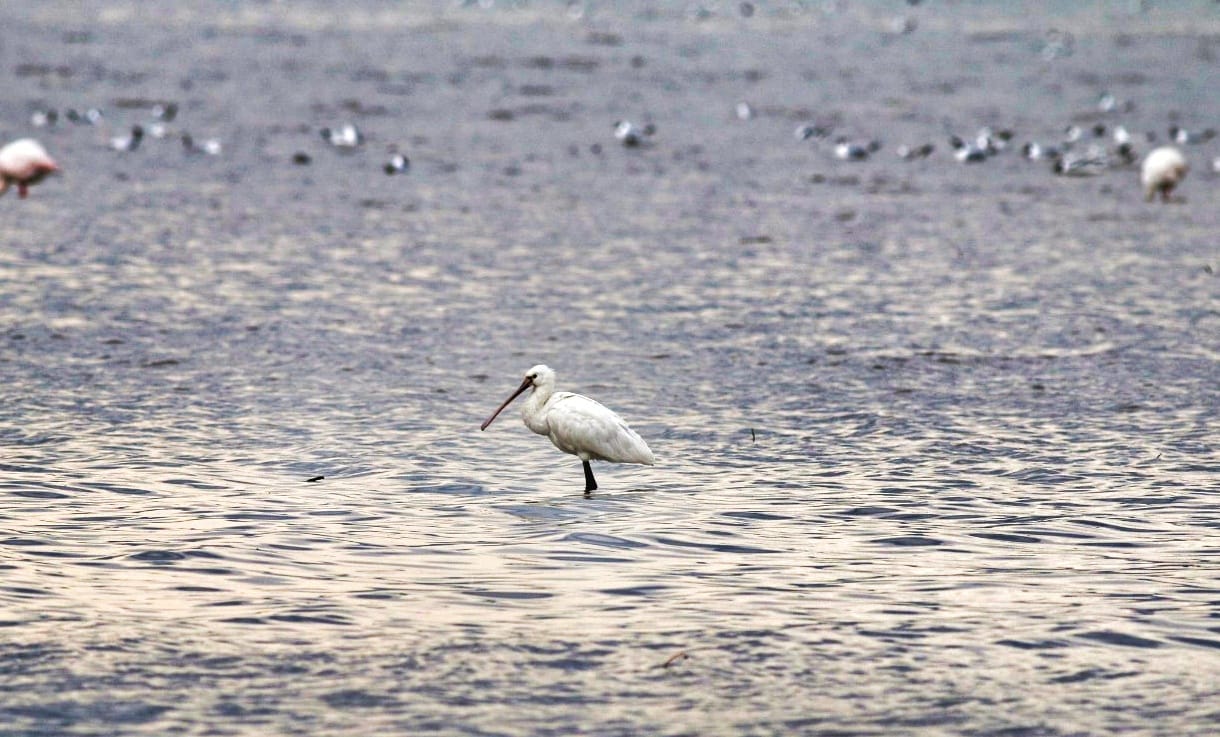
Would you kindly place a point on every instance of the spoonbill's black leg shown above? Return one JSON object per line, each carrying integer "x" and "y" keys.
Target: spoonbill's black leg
{"x": 590, "y": 482}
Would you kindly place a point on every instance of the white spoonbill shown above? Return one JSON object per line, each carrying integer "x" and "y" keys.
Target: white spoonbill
{"x": 24, "y": 162}
{"x": 1163, "y": 168}
{"x": 576, "y": 424}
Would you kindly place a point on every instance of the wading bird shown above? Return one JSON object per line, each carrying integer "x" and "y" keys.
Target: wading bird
{"x": 1163, "y": 168}
{"x": 576, "y": 424}
{"x": 25, "y": 163}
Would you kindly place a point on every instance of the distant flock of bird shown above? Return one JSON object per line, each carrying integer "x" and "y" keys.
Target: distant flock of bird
{"x": 1079, "y": 152}
{"x": 25, "y": 162}
{"x": 1163, "y": 169}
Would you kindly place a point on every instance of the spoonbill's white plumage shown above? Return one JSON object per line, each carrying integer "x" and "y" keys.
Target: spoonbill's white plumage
{"x": 24, "y": 162}
{"x": 1163, "y": 168}
{"x": 576, "y": 424}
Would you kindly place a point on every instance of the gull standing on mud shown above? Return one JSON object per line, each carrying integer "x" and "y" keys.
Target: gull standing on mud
{"x": 24, "y": 162}
{"x": 576, "y": 424}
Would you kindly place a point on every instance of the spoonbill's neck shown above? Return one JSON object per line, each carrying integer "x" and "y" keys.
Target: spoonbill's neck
{"x": 537, "y": 398}
{"x": 533, "y": 412}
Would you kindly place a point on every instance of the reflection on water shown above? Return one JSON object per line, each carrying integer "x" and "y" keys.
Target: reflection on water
{"x": 936, "y": 446}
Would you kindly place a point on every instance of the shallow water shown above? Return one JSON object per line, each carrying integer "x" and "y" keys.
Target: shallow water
{"x": 936, "y": 444}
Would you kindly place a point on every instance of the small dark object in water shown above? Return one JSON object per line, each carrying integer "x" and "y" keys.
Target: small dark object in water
{"x": 675, "y": 658}
{"x": 315, "y": 478}
{"x": 301, "y": 158}
{"x": 752, "y": 438}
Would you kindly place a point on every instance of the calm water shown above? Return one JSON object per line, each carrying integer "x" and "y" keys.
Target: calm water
{"x": 936, "y": 444}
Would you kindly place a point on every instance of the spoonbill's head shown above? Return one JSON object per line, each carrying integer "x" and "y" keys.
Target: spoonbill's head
{"x": 539, "y": 376}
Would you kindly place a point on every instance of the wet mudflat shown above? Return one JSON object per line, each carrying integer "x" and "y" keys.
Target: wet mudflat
{"x": 936, "y": 442}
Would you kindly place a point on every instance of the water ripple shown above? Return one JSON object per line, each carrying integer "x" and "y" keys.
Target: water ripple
{"x": 936, "y": 445}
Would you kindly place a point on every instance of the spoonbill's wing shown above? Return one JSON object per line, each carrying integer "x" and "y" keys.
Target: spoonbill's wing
{"x": 585, "y": 428}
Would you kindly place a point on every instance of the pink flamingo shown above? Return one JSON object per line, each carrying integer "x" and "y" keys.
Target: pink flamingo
{"x": 25, "y": 163}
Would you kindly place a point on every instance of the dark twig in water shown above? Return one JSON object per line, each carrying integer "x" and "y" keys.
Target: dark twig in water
{"x": 315, "y": 478}
{"x": 675, "y": 658}
{"x": 752, "y": 438}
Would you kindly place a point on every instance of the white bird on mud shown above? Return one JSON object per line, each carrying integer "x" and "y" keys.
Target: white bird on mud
{"x": 1087, "y": 164}
{"x": 846, "y": 150}
{"x": 24, "y": 162}
{"x": 968, "y": 153}
{"x": 1163, "y": 168}
{"x": 576, "y": 424}
{"x": 346, "y": 136}
{"x": 1035, "y": 151}
{"x": 630, "y": 134}
{"x": 1185, "y": 137}
{"x": 128, "y": 142}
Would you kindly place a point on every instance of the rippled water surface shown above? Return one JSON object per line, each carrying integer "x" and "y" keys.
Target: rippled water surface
{"x": 936, "y": 443}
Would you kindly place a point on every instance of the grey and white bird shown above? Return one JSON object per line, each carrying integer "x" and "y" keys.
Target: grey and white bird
{"x": 397, "y": 164}
{"x": 345, "y": 136}
{"x": 1035, "y": 151}
{"x": 805, "y": 131}
{"x": 1184, "y": 137}
{"x": 846, "y": 150}
{"x": 1088, "y": 163}
{"x": 129, "y": 142}
{"x": 967, "y": 152}
{"x": 910, "y": 153}
{"x": 208, "y": 146}
{"x": 631, "y": 135}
